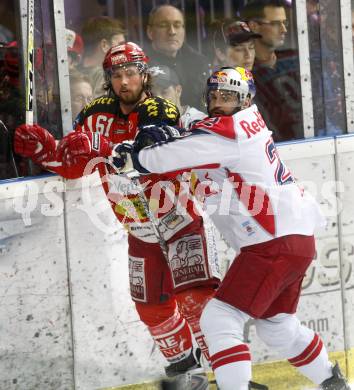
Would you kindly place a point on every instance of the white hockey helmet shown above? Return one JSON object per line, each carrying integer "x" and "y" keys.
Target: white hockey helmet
{"x": 238, "y": 80}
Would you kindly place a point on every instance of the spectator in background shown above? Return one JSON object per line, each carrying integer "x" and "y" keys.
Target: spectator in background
{"x": 99, "y": 35}
{"x": 80, "y": 92}
{"x": 276, "y": 71}
{"x": 268, "y": 18}
{"x": 166, "y": 31}
{"x": 234, "y": 44}
{"x": 75, "y": 47}
{"x": 166, "y": 84}
{"x": 7, "y": 21}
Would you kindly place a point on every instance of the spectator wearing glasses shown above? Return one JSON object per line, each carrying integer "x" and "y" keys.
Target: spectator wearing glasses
{"x": 234, "y": 44}
{"x": 80, "y": 92}
{"x": 166, "y": 31}
{"x": 99, "y": 34}
{"x": 276, "y": 69}
{"x": 268, "y": 18}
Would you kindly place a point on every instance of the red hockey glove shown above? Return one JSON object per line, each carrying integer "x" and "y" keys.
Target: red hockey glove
{"x": 35, "y": 142}
{"x": 79, "y": 147}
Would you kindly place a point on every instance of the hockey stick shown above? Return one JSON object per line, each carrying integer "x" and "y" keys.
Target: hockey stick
{"x": 134, "y": 176}
{"x": 29, "y": 62}
{"x": 29, "y": 80}
{"x": 252, "y": 385}
{"x": 257, "y": 386}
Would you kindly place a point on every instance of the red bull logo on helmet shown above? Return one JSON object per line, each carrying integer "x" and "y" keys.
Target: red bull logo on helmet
{"x": 218, "y": 77}
{"x": 245, "y": 73}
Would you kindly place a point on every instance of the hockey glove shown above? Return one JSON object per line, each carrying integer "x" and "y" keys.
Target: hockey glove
{"x": 122, "y": 157}
{"x": 79, "y": 147}
{"x": 34, "y": 142}
{"x": 151, "y": 135}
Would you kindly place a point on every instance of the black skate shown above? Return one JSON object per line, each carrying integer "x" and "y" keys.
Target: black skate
{"x": 187, "y": 374}
{"x": 336, "y": 382}
{"x": 186, "y": 381}
{"x": 189, "y": 363}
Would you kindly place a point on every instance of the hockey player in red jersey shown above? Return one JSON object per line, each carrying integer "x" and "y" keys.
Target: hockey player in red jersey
{"x": 169, "y": 297}
{"x": 268, "y": 216}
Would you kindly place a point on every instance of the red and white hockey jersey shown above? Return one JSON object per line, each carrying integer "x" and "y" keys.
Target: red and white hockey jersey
{"x": 103, "y": 115}
{"x": 255, "y": 196}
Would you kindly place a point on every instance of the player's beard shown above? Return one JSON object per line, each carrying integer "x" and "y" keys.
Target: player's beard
{"x": 216, "y": 112}
{"x": 131, "y": 98}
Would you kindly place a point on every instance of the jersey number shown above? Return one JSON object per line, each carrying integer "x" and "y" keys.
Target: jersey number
{"x": 103, "y": 124}
{"x": 282, "y": 174}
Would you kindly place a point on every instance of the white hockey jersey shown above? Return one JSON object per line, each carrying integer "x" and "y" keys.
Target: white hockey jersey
{"x": 190, "y": 115}
{"x": 255, "y": 197}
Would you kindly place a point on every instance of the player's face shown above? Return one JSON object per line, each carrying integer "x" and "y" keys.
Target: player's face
{"x": 242, "y": 55}
{"x": 222, "y": 102}
{"x": 127, "y": 83}
{"x": 167, "y": 31}
{"x": 273, "y": 27}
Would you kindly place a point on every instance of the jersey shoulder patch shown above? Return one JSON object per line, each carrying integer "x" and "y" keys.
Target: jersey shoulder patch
{"x": 221, "y": 125}
{"x": 157, "y": 110}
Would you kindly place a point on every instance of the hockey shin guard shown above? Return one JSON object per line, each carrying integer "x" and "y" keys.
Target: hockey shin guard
{"x": 191, "y": 303}
{"x": 168, "y": 328}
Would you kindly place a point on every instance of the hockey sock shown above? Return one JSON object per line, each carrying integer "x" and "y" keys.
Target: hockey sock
{"x": 168, "y": 328}
{"x": 313, "y": 360}
{"x": 191, "y": 303}
{"x": 232, "y": 367}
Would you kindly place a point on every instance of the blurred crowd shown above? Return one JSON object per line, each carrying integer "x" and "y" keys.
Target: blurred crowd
{"x": 260, "y": 37}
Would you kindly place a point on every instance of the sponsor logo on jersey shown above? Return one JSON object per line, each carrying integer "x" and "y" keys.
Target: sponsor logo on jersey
{"x": 247, "y": 226}
{"x": 172, "y": 220}
{"x": 187, "y": 260}
{"x": 253, "y": 127}
{"x": 96, "y": 141}
{"x": 120, "y": 131}
{"x": 137, "y": 278}
{"x": 100, "y": 100}
{"x": 131, "y": 208}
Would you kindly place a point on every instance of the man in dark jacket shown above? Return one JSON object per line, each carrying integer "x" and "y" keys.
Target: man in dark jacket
{"x": 166, "y": 31}
{"x": 276, "y": 69}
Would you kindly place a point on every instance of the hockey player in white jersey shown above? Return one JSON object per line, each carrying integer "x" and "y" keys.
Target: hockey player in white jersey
{"x": 269, "y": 217}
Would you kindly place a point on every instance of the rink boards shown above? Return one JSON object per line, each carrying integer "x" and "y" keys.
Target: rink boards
{"x": 66, "y": 317}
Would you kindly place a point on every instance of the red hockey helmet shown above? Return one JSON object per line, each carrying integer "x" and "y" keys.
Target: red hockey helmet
{"x": 125, "y": 54}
